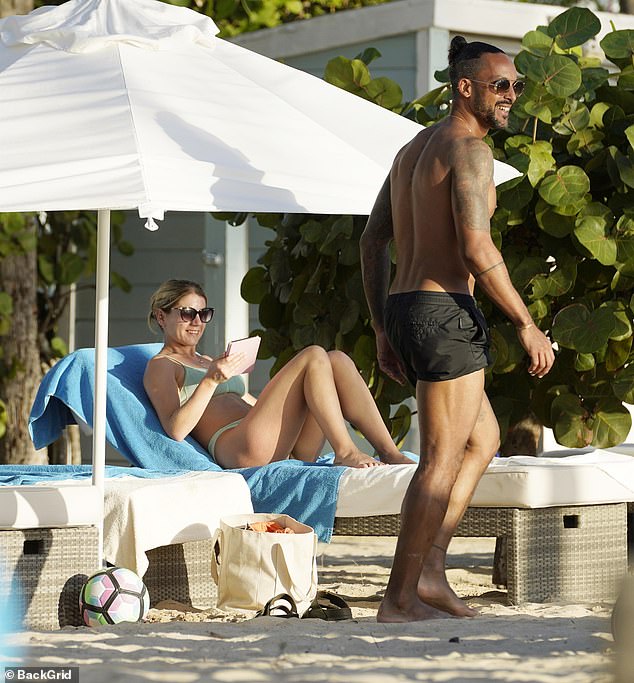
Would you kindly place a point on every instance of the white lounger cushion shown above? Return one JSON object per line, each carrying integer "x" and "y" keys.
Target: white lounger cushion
{"x": 139, "y": 514}
{"x": 368, "y": 491}
{"x": 594, "y": 477}
{"x": 590, "y": 478}
{"x": 67, "y": 503}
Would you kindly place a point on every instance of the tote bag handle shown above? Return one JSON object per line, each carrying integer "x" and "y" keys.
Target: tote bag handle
{"x": 216, "y": 549}
{"x": 281, "y": 553}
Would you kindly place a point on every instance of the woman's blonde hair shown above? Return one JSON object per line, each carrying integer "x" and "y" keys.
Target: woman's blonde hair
{"x": 167, "y": 295}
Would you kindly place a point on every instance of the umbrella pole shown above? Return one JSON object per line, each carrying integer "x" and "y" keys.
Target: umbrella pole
{"x": 101, "y": 365}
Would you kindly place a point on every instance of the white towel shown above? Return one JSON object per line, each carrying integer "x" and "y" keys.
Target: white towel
{"x": 149, "y": 513}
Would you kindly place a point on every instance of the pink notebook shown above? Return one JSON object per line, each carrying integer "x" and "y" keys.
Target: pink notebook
{"x": 249, "y": 347}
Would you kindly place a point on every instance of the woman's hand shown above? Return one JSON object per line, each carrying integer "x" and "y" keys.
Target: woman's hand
{"x": 223, "y": 368}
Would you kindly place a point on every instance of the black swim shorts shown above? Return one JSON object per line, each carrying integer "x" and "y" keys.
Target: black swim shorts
{"x": 437, "y": 335}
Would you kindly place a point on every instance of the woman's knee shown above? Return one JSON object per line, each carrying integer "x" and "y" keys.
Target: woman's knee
{"x": 314, "y": 355}
{"x": 340, "y": 360}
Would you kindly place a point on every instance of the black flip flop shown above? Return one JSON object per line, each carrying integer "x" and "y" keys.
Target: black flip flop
{"x": 281, "y": 605}
{"x": 328, "y": 606}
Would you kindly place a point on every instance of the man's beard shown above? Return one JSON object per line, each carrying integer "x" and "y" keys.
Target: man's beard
{"x": 487, "y": 116}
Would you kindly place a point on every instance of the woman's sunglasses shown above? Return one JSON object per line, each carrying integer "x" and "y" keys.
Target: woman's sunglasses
{"x": 503, "y": 85}
{"x": 188, "y": 314}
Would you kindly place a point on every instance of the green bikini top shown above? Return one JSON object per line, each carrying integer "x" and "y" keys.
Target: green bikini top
{"x": 194, "y": 376}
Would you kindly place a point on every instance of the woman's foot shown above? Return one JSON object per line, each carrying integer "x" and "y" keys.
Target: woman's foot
{"x": 355, "y": 458}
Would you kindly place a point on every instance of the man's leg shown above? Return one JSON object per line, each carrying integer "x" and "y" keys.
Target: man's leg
{"x": 447, "y": 413}
{"x": 433, "y": 587}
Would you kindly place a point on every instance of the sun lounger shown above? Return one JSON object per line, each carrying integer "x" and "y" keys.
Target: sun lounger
{"x": 563, "y": 522}
{"x": 65, "y": 396}
{"x": 45, "y": 565}
{"x": 48, "y": 533}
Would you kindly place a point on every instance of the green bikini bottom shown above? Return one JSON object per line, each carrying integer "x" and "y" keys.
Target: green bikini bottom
{"x": 216, "y": 435}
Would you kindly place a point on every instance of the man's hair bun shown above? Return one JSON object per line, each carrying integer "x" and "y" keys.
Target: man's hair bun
{"x": 456, "y": 46}
{"x": 463, "y": 59}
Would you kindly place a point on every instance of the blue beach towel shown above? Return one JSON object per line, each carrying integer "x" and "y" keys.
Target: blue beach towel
{"x": 29, "y": 475}
{"x": 305, "y": 491}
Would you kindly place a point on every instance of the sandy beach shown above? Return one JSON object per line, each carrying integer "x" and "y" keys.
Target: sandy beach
{"x": 533, "y": 642}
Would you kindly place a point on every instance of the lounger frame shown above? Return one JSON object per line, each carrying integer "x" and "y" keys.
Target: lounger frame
{"x": 48, "y": 567}
{"x": 557, "y": 554}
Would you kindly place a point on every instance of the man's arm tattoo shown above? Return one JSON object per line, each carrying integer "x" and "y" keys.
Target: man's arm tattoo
{"x": 472, "y": 177}
{"x": 375, "y": 258}
{"x": 379, "y": 223}
{"x": 486, "y": 270}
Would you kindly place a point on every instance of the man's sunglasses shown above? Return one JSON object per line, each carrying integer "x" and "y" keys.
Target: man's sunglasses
{"x": 188, "y": 314}
{"x": 503, "y": 85}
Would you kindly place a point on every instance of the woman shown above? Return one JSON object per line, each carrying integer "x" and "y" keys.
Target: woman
{"x": 304, "y": 404}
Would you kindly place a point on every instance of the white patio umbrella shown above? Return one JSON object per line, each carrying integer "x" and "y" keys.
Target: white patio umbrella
{"x": 136, "y": 104}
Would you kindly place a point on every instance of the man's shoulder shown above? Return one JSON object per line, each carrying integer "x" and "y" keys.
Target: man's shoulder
{"x": 470, "y": 144}
{"x": 417, "y": 143}
{"x": 469, "y": 153}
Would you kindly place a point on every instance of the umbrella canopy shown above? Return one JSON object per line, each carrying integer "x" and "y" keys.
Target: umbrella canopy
{"x": 136, "y": 104}
{"x": 119, "y": 104}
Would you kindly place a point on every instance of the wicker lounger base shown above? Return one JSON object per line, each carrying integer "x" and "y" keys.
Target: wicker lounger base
{"x": 46, "y": 569}
{"x": 559, "y": 554}
{"x": 181, "y": 572}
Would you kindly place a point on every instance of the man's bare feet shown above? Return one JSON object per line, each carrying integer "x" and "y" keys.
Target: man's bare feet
{"x": 390, "y": 612}
{"x": 356, "y": 459}
{"x": 396, "y": 458}
{"x": 434, "y": 590}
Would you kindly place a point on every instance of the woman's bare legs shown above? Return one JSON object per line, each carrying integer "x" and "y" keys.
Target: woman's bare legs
{"x": 359, "y": 408}
{"x": 310, "y": 441}
{"x": 304, "y": 386}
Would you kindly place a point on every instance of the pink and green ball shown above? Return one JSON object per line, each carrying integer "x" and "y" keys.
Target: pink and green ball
{"x": 112, "y": 596}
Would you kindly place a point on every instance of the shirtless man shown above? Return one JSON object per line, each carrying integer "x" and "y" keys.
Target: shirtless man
{"x": 436, "y": 206}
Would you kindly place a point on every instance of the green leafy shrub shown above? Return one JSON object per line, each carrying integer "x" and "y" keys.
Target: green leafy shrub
{"x": 238, "y": 16}
{"x": 67, "y": 255}
{"x": 565, "y": 228}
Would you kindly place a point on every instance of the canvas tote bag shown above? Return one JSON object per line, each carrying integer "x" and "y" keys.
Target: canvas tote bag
{"x": 251, "y": 567}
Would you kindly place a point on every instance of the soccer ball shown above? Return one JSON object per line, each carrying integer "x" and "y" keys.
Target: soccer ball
{"x": 113, "y": 595}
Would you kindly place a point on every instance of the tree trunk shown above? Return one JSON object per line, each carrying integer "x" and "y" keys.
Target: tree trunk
{"x": 21, "y": 354}
{"x": 522, "y": 438}
{"x": 8, "y": 7}
{"x": 627, "y": 6}
{"x": 18, "y": 278}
